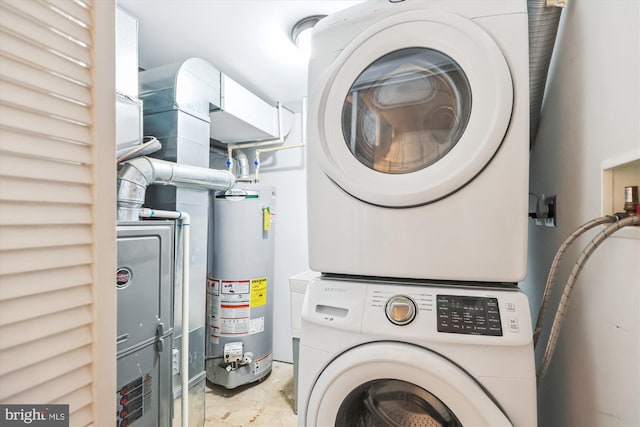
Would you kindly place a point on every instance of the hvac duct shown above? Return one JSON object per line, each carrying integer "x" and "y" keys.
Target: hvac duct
{"x": 177, "y": 99}
{"x": 137, "y": 174}
{"x": 543, "y": 28}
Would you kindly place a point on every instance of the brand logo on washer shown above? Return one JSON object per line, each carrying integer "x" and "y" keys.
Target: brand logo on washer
{"x": 335, "y": 290}
{"x": 123, "y": 278}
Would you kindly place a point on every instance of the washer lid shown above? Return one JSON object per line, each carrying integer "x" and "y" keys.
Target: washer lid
{"x": 412, "y": 109}
{"x": 379, "y": 382}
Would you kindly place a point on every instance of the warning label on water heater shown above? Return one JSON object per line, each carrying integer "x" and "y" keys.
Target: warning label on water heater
{"x": 229, "y": 305}
{"x": 258, "y": 292}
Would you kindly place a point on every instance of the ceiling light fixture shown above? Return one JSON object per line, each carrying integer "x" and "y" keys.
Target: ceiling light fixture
{"x": 301, "y": 32}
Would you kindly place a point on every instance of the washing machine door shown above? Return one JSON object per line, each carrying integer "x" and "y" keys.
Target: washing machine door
{"x": 389, "y": 384}
{"x": 412, "y": 109}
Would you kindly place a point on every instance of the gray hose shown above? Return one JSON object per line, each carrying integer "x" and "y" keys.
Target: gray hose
{"x": 543, "y": 28}
{"x": 546, "y": 296}
{"x": 564, "y": 300}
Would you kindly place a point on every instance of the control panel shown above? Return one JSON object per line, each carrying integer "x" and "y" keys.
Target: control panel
{"x": 461, "y": 314}
{"x": 423, "y": 313}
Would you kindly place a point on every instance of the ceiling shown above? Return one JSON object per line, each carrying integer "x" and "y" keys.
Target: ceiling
{"x": 246, "y": 39}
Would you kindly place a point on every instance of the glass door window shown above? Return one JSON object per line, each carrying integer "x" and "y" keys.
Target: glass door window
{"x": 406, "y": 110}
{"x": 393, "y": 403}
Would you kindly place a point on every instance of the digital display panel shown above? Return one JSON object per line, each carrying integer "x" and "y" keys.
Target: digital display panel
{"x": 459, "y": 314}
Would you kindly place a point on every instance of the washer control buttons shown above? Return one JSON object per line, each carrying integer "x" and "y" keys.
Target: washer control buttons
{"x": 461, "y": 314}
{"x": 400, "y": 310}
{"x": 509, "y": 306}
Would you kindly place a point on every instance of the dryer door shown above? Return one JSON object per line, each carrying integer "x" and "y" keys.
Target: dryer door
{"x": 412, "y": 110}
{"x": 396, "y": 384}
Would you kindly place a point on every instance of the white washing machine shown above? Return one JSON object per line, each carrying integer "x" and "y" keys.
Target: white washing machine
{"x": 418, "y": 133}
{"x": 405, "y": 355}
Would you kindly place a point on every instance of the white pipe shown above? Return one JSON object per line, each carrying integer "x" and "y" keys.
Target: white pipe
{"x": 304, "y": 141}
{"x": 185, "y": 221}
{"x": 279, "y": 140}
{"x": 265, "y": 150}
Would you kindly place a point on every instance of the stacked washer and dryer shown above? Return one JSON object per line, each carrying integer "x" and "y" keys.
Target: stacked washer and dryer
{"x": 417, "y": 203}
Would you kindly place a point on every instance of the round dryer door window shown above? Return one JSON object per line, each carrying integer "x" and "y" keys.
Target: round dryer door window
{"x": 406, "y": 111}
{"x": 412, "y": 109}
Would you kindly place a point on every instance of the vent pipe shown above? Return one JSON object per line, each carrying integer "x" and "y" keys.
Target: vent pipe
{"x": 543, "y": 29}
{"x": 137, "y": 174}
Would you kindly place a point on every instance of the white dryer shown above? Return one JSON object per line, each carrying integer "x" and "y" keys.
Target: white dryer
{"x": 405, "y": 355}
{"x": 418, "y": 133}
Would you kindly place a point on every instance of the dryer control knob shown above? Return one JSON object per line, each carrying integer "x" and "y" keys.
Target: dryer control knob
{"x": 400, "y": 309}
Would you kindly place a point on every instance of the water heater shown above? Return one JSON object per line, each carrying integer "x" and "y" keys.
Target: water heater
{"x": 240, "y": 285}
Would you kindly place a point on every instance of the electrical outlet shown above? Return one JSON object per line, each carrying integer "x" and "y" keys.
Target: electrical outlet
{"x": 546, "y": 211}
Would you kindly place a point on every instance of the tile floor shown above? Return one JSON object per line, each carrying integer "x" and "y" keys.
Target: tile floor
{"x": 265, "y": 404}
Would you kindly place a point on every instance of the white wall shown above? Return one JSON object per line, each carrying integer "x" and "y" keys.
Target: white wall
{"x": 591, "y": 114}
{"x": 285, "y": 170}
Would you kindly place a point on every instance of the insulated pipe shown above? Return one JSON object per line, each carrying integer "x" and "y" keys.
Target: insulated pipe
{"x": 304, "y": 141}
{"x": 137, "y": 174}
{"x": 543, "y": 28}
{"x": 185, "y": 222}
{"x": 266, "y": 150}
{"x": 564, "y": 300}
{"x": 279, "y": 140}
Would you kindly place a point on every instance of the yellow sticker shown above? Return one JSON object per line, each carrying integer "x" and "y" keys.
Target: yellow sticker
{"x": 266, "y": 218}
{"x": 258, "y": 291}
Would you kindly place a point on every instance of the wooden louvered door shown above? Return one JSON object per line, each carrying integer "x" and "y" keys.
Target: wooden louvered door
{"x": 57, "y": 206}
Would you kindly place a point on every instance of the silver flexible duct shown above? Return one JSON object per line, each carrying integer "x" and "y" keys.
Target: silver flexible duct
{"x": 564, "y": 300}
{"x": 243, "y": 165}
{"x": 137, "y": 174}
{"x": 546, "y": 296}
{"x": 543, "y": 28}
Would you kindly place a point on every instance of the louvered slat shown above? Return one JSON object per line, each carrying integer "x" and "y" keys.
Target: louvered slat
{"x": 51, "y": 390}
{"x": 14, "y": 213}
{"x": 41, "y": 102}
{"x": 14, "y": 189}
{"x": 20, "y": 309}
{"x": 44, "y": 259}
{"x": 72, "y": 9}
{"x": 82, "y": 417}
{"x": 17, "y": 358}
{"x": 29, "y": 144}
{"x": 32, "y": 282}
{"x": 46, "y": 370}
{"x": 60, "y": 21}
{"x": 12, "y": 238}
{"x": 32, "y": 168}
{"x": 77, "y": 400}
{"x": 41, "y": 327}
{"x": 27, "y": 120}
{"x": 29, "y": 74}
{"x": 46, "y": 27}
{"x": 14, "y": 45}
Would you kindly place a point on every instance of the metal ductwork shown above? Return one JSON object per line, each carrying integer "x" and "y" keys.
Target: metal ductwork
{"x": 137, "y": 174}
{"x": 543, "y": 28}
